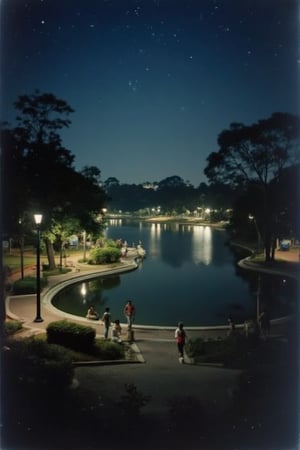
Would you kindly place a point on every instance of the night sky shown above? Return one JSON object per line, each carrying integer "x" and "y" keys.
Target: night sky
{"x": 152, "y": 82}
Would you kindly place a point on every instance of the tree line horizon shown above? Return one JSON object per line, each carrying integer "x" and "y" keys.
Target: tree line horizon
{"x": 254, "y": 173}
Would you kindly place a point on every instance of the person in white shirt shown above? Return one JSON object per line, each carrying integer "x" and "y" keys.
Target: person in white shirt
{"x": 116, "y": 331}
{"x": 180, "y": 336}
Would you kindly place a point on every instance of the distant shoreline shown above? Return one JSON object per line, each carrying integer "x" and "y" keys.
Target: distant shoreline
{"x": 171, "y": 219}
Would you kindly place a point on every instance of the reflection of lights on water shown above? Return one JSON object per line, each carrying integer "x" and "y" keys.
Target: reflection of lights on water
{"x": 115, "y": 222}
{"x": 202, "y": 244}
{"x": 154, "y": 242}
{"x": 83, "y": 292}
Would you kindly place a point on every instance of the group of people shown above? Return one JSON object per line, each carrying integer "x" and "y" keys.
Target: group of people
{"x": 180, "y": 334}
{"x": 106, "y": 319}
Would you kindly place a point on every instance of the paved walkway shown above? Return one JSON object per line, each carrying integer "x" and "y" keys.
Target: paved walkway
{"x": 161, "y": 376}
{"x": 23, "y": 307}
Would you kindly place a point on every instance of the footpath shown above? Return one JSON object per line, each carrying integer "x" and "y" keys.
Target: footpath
{"x": 159, "y": 373}
{"x": 23, "y": 307}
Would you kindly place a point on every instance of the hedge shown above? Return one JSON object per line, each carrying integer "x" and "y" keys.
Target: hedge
{"x": 71, "y": 335}
{"x": 27, "y": 285}
{"x": 33, "y": 362}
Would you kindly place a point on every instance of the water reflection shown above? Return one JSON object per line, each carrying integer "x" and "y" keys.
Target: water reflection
{"x": 154, "y": 242}
{"x": 189, "y": 274}
{"x": 83, "y": 293}
{"x": 202, "y": 245}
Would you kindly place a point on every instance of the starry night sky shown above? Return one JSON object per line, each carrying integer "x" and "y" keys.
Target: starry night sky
{"x": 153, "y": 82}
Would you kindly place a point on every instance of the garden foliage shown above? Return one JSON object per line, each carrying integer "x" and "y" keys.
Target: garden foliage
{"x": 104, "y": 255}
{"x": 74, "y": 336}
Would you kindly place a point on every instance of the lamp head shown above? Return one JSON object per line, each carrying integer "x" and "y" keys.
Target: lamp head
{"x": 38, "y": 218}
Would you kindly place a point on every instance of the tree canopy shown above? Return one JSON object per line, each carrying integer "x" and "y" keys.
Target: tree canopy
{"x": 42, "y": 171}
{"x": 254, "y": 158}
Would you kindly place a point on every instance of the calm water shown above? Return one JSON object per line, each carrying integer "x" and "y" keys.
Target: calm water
{"x": 189, "y": 274}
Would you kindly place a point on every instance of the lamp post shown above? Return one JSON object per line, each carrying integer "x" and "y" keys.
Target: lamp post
{"x": 252, "y": 219}
{"x": 38, "y": 219}
{"x": 84, "y": 245}
{"x": 21, "y": 241}
{"x": 258, "y": 298}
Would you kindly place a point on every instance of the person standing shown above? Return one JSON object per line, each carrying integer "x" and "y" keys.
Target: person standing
{"x": 129, "y": 311}
{"x": 106, "y": 319}
{"x": 180, "y": 336}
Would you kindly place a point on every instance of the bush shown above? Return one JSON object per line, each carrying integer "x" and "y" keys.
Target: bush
{"x": 11, "y": 327}
{"x": 105, "y": 255}
{"x": 71, "y": 335}
{"x": 232, "y": 351}
{"x": 56, "y": 271}
{"x": 111, "y": 243}
{"x": 108, "y": 350}
{"x": 31, "y": 362}
{"x": 27, "y": 285}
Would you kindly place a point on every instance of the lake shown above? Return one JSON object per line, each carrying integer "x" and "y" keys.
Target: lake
{"x": 189, "y": 274}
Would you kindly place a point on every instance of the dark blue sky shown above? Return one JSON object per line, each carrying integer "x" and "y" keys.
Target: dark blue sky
{"x": 153, "y": 82}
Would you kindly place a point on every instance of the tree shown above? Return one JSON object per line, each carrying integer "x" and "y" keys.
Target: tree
{"x": 257, "y": 154}
{"x": 171, "y": 182}
{"x": 47, "y": 181}
{"x": 111, "y": 182}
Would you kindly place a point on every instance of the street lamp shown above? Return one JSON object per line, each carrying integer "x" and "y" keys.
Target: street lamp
{"x": 38, "y": 219}
{"x": 258, "y": 292}
{"x": 84, "y": 245}
{"x": 252, "y": 219}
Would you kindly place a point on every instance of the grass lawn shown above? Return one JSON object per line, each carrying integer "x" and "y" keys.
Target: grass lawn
{"x": 13, "y": 259}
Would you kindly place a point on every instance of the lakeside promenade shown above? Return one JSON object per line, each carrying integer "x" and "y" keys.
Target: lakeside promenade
{"x": 157, "y": 374}
{"x": 23, "y": 307}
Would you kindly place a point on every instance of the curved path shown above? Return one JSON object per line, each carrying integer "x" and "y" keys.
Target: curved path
{"x": 23, "y": 307}
{"x": 162, "y": 377}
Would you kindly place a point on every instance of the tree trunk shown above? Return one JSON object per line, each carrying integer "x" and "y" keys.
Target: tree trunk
{"x": 273, "y": 249}
{"x": 22, "y": 256}
{"x": 50, "y": 254}
{"x": 267, "y": 251}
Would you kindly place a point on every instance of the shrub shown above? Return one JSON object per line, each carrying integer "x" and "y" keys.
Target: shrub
{"x": 71, "y": 335}
{"x": 231, "y": 351}
{"x": 111, "y": 243}
{"x": 56, "y": 271}
{"x": 12, "y": 327}
{"x": 27, "y": 285}
{"x": 195, "y": 347}
{"x": 33, "y": 362}
{"x": 108, "y": 350}
{"x": 104, "y": 255}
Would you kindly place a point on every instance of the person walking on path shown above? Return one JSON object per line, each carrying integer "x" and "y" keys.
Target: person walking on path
{"x": 129, "y": 311}
{"x": 106, "y": 319}
{"x": 180, "y": 336}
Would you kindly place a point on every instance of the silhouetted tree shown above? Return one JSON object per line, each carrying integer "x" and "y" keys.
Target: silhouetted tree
{"x": 257, "y": 154}
{"x": 44, "y": 177}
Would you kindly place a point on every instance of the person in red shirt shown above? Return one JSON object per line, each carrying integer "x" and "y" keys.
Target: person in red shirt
{"x": 180, "y": 336}
{"x": 129, "y": 311}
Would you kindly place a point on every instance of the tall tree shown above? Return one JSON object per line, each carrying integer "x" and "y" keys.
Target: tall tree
{"x": 257, "y": 154}
{"x": 48, "y": 181}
